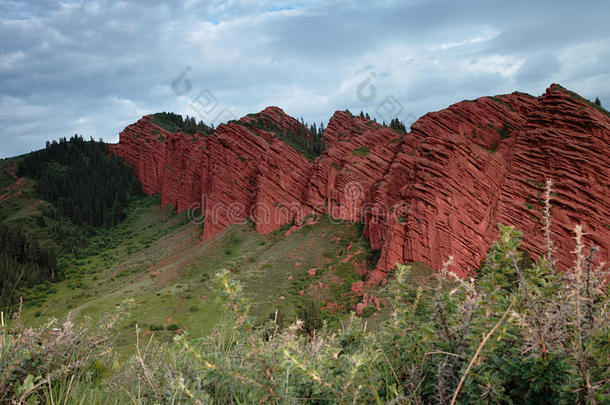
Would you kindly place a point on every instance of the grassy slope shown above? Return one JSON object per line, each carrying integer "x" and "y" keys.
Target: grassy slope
{"x": 20, "y": 202}
{"x": 157, "y": 258}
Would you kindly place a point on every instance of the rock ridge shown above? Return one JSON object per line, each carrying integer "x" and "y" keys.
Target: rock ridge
{"x": 438, "y": 190}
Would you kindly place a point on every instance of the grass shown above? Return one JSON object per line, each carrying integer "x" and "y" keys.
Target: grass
{"x": 361, "y": 151}
{"x": 504, "y": 103}
{"x": 581, "y": 99}
{"x": 445, "y": 337}
{"x": 156, "y": 258}
{"x": 165, "y": 124}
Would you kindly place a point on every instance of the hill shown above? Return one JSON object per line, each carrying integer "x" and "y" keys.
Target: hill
{"x": 435, "y": 191}
{"x": 237, "y": 276}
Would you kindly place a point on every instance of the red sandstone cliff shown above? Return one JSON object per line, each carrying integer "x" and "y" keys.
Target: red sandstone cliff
{"x": 439, "y": 190}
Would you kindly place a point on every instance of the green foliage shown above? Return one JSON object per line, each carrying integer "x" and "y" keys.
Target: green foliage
{"x": 304, "y": 138}
{"x": 23, "y": 261}
{"x": 83, "y": 180}
{"x": 230, "y": 243}
{"x": 361, "y": 151}
{"x": 87, "y": 187}
{"x": 516, "y": 333}
{"x": 398, "y": 125}
{"x": 34, "y": 360}
{"x": 175, "y": 123}
{"x": 311, "y": 315}
{"x": 364, "y": 116}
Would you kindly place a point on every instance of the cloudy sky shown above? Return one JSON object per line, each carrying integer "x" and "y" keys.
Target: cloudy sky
{"x": 92, "y": 67}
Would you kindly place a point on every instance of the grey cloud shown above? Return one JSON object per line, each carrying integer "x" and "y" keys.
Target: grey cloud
{"x": 92, "y": 66}
{"x": 538, "y": 67}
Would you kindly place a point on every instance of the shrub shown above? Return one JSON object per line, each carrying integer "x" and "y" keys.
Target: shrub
{"x": 31, "y": 360}
{"x": 361, "y": 151}
{"x": 516, "y": 332}
{"x": 368, "y": 311}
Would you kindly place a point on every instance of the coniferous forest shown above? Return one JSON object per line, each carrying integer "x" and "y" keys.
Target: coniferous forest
{"x": 87, "y": 187}
{"x": 175, "y": 122}
{"x": 23, "y": 261}
{"x": 83, "y": 180}
{"x": 310, "y": 145}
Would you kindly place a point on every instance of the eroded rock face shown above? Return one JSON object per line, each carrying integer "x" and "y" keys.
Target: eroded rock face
{"x": 143, "y": 145}
{"x": 568, "y": 141}
{"x": 440, "y": 195}
{"x": 358, "y": 155}
{"x": 437, "y": 191}
{"x": 243, "y": 170}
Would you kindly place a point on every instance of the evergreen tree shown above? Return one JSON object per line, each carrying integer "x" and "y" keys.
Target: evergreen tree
{"x": 397, "y": 124}
{"x": 174, "y": 122}
{"x": 23, "y": 262}
{"x": 83, "y": 180}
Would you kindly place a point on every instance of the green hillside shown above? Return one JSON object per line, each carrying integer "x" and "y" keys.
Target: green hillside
{"x": 156, "y": 257}
{"x": 133, "y": 307}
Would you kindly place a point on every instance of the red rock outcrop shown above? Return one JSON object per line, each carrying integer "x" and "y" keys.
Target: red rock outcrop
{"x": 358, "y": 154}
{"x": 437, "y": 191}
{"x": 241, "y": 171}
{"x": 143, "y": 145}
{"x": 441, "y": 191}
{"x": 567, "y": 141}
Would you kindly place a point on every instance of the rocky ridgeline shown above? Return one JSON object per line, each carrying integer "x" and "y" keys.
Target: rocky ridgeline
{"x": 437, "y": 191}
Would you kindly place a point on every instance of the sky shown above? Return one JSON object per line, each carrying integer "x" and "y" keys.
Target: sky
{"x": 93, "y": 67}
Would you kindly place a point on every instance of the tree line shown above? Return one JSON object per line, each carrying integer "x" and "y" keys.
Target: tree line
{"x": 87, "y": 188}
{"x": 174, "y": 122}
{"x": 310, "y": 145}
{"x": 395, "y": 123}
{"x": 83, "y": 180}
{"x": 23, "y": 262}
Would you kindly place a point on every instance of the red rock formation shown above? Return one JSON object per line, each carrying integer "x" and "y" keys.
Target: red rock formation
{"x": 439, "y": 190}
{"x": 359, "y": 153}
{"x": 567, "y": 141}
{"x": 281, "y": 189}
{"x": 251, "y": 173}
{"x": 143, "y": 145}
{"x": 439, "y": 196}
{"x": 243, "y": 170}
